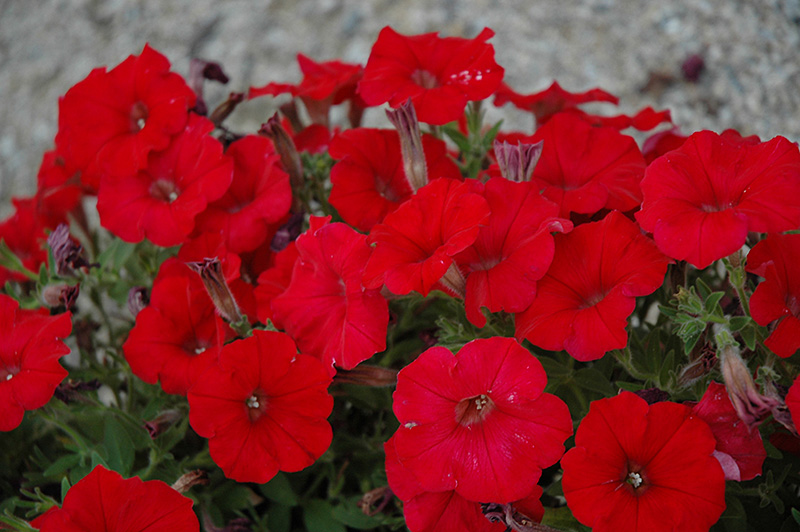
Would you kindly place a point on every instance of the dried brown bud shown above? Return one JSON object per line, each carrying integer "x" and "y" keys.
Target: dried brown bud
{"x": 284, "y": 145}
{"x": 66, "y": 252}
{"x": 750, "y": 405}
{"x": 367, "y": 375}
{"x": 517, "y": 162}
{"x": 60, "y": 295}
{"x": 405, "y": 121}
{"x": 210, "y": 271}
{"x": 224, "y": 109}
{"x": 138, "y": 299}
{"x": 197, "y": 477}
{"x": 162, "y": 422}
{"x": 374, "y": 501}
{"x": 199, "y": 71}
{"x": 70, "y": 390}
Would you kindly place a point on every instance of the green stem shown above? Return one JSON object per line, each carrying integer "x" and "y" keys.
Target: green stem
{"x": 66, "y": 429}
{"x": 625, "y": 358}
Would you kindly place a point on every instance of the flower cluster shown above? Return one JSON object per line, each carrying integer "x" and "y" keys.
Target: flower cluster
{"x": 410, "y": 320}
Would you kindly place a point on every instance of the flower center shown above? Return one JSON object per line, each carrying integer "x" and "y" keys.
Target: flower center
{"x": 425, "y": 79}
{"x": 256, "y": 405}
{"x": 138, "y": 117}
{"x": 473, "y": 409}
{"x": 164, "y": 190}
{"x": 6, "y": 374}
{"x": 634, "y": 479}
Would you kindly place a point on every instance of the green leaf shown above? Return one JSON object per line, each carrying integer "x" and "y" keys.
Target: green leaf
{"x": 629, "y": 386}
{"x": 64, "y": 488}
{"x": 348, "y": 513}
{"x": 749, "y": 336}
{"x": 118, "y": 446}
{"x": 116, "y": 254}
{"x": 711, "y": 302}
{"x": 61, "y": 465}
{"x": 796, "y": 515}
{"x": 97, "y": 460}
{"x": 279, "y": 490}
{"x": 737, "y": 323}
{"x": 702, "y": 288}
{"x": 318, "y": 517}
{"x": 594, "y": 381}
{"x": 734, "y": 519}
{"x": 279, "y": 518}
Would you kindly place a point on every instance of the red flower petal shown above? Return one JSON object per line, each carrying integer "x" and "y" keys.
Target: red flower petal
{"x": 639, "y": 467}
{"x": 478, "y": 422}
{"x": 415, "y": 245}
{"x": 584, "y": 301}
{"x": 103, "y": 501}
{"x": 701, "y": 199}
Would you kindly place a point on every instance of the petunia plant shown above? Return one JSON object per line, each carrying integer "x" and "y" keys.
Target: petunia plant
{"x": 434, "y": 324}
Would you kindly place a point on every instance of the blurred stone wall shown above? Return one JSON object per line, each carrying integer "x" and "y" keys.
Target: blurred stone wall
{"x": 633, "y": 48}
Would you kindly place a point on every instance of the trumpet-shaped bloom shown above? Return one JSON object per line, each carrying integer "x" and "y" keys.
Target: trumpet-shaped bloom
{"x": 263, "y": 408}
{"x": 103, "y": 501}
{"x": 160, "y": 202}
{"x": 643, "y": 468}
{"x": 369, "y": 181}
{"x": 415, "y": 244}
{"x": 30, "y": 347}
{"x": 512, "y": 252}
{"x": 325, "y": 308}
{"x": 111, "y": 121}
{"x": 584, "y": 168}
{"x": 777, "y": 298}
{"x": 439, "y": 75}
{"x": 701, "y": 199}
{"x": 584, "y": 301}
{"x": 477, "y": 422}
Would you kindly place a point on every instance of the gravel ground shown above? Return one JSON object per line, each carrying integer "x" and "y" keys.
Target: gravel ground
{"x": 632, "y": 48}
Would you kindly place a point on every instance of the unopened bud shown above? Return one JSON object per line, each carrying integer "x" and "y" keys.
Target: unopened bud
{"x": 367, "y": 375}
{"x": 289, "y": 110}
{"x": 210, "y": 271}
{"x": 750, "y": 406}
{"x": 199, "y": 71}
{"x": 405, "y": 121}
{"x": 374, "y": 501}
{"x": 284, "y": 145}
{"x": 224, "y": 109}
{"x": 454, "y": 280}
{"x": 288, "y": 232}
{"x": 66, "y": 252}
{"x": 137, "y": 300}
{"x": 60, "y": 295}
{"x": 71, "y": 390}
{"x": 187, "y": 481}
{"x": 162, "y": 422}
{"x": 517, "y": 162}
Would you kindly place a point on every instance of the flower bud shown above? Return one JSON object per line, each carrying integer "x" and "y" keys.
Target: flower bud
{"x": 284, "y": 145}
{"x": 137, "y": 299}
{"x": 210, "y": 271}
{"x": 367, "y": 375}
{"x": 66, "y": 252}
{"x": 59, "y": 295}
{"x": 189, "y": 480}
{"x": 162, "y": 422}
{"x": 224, "y": 109}
{"x": 750, "y": 406}
{"x": 405, "y": 121}
{"x": 199, "y": 71}
{"x": 517, "y": 162}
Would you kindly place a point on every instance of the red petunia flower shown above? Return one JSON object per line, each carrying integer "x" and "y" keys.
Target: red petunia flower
{"x": 662, "y": 142}
{"x": 701, "y": 200}
{"x": 179, "y": 334}
{"x": 584, "y": 301}
{"x": 263, "y": 408}
{"x": 512, "y": 252}
{"x": 273, "y": 281}
{"x": 739, "y": 450}
{"x": 111, "y": 121}
{"x": 23, "y": 233}
{"x": 415, "y": 244}
{"x": 324, "y": 84}
{"x": 325, "y": 308}
{"x": 160, "y": 202}
{"x": 643, "y": 468}
{"x": 259, "y": 195}
{"x": 58, "y": 190}
{"x": 793, "y": 403}
{"x": 585, "y": 169}
{"x": 477, "y": 422}
{"x": 446, "y": 511}
{"x": 103, "y": 501}
{"x": 552, "y": 100}
{"x": 439, "y": 75}
{"x": 369, "y": 181}
{"x": 30, "y": 346}
{"x": 777, "y": 259}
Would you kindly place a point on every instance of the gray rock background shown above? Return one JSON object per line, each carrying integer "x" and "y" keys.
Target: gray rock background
{"x": 633, "y": 48}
